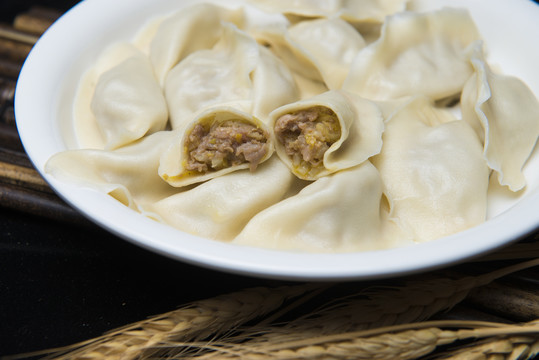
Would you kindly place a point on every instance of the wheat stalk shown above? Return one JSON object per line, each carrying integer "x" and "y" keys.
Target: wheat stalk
{"x": 520, "y": 347}
{"x": 201, "y": 319}
{"x": 373, "y": 309}
{"x": 416, "y": 300}
{"x": 400, "y": 342}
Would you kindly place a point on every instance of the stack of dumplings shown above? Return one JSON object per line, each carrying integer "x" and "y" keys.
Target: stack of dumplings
{"x": 312, "y": 126}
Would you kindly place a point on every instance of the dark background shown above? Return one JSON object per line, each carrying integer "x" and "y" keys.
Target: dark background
{"x": 10, "y": 8}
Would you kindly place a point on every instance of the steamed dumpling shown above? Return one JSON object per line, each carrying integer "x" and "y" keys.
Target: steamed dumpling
{"x": 211, "y": 77}
{"x": 326, "y": 133}
{"x": 433, "y": 171}
{"x": 417, "y": 54}
{"x": 218, "y": 141}
{"x": 237, "y": 70}
{"x": 128, "y": 103}
{"x": 220, "y": 208}
{"x": 191, "y": 29}
{"x": 350, "y": 10}
{"x": 273, "y": 85}
{"x": 128, "y": 174}
{"x": 341, "y": 212}
{"x": 320, "y": 50}
{"x": 331, "y": 44}
{"x": 505, "y": 114}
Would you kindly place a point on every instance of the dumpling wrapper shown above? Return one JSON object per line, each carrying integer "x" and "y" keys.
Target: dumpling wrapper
{"x": 337, "y": 213}
{"x": 319, "y": 50}
{"x": 434, "y": 172}
{"x": 416, "y": 54}
{"x": 332, "y": 44}
{"x": 128, "y": 103}
{"x": 173, "y": 166}
{"x": 193, "y": 28}
{"x": 237, "y": 69}
{"x": 219, "y": 208}
{"x": 273, "y": 85}
{"x": 349, "y": 10}
{"x": 360, "y": 124}
{"x": 211, "y": 77}
{"x": 128, "y": 174}
{"x": 505, "y": 114}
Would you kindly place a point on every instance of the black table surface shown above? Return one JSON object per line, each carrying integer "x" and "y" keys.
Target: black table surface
{"x": 63, "y": 283}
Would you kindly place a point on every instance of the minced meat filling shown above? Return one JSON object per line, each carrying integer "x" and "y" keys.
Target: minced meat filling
{"x": 307, "y": 134}
{"x": 225, "y": 144}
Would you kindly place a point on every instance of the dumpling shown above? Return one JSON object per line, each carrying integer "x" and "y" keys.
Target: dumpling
{"x": 350, "y": 10}
{"x": 273, "y": 85}
{"x": 128, "y": 103}
{"x": 292, "y": 54}
{"x": 337, "y": 213}
{"x": 505, "y": 114}
{"x": 193, "y": 28}
{"x": 218, "y": 141}
{"x": 433, "y": 170}
{"x": 220, "y": 208}
{"x": 326, "y": 133}
{"x": 128, "y": 174}
{"x": 417, "y": 54}
{"x": 331, "y": 44}
{"x": 211, "y": 77}
{"x": 320, "y": 50}
{"x": 236, "y": 70}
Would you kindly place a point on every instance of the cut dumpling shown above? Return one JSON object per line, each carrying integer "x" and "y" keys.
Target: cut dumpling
{"x": 220, "y": 208}
{"x": 433, "y": 170}
{"x": 327, "y": 133}
{"x": 505, "y": 114}
{"x": 191, "y": 29}
{"x": 337, "y": 213}
{"x": 128, "y": 174}
{"x": 128, "y": 103}
{"x": 417, "y": 54}
{"x": 218, "y": 141}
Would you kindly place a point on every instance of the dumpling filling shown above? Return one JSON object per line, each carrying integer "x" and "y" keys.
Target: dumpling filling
{"x": 221, "y": 145}
{"x": 306, "y": 135}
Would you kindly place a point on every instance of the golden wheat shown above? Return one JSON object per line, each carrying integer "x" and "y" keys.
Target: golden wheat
{"x": 201, "y": 319}
{"x": 401, "y": 342}
{"x": 413, "y": 301}
{"x": 170, "y": 334}
{"x": 504, "y": 348}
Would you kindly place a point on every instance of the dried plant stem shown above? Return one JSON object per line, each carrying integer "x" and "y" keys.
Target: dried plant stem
{"x": 519, "y": 347}
{"x": 23, "y": 37}
{"x": 414, "y": 301}
{"x": 377, "y": 323}
{"x": 401, "y": 342}
{"x": 211, "y": 317}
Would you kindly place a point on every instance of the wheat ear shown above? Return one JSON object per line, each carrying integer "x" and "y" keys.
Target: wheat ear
{"x": 198, "y": 320}
{"x": 414, "y": 301}
{"x": 511, "y": 348}
{"x": 400, "y": 342}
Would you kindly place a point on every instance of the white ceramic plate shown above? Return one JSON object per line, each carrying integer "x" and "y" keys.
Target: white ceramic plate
{"x": 43, "y": 104}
